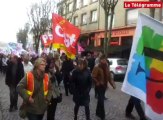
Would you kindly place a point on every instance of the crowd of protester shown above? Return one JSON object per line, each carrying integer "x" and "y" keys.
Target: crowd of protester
{"x": 37, "y": 80}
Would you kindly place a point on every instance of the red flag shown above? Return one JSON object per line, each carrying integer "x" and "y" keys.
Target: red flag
{"x": 47, "y": 39}
{"x": 65, "y": 35}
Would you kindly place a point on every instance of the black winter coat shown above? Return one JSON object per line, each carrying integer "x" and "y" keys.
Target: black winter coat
{"x": 81, "y": 82}
{"x": 10, "y": 80}
{"x": 67, "y": 67}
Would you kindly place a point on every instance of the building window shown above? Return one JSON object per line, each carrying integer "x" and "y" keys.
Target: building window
{"x": 114, "y": 41}
{"x": 60, "y": 11}
{"x": 76, "y": 21}
{"x": 64, "y": 10}
{"x": 85, "y": 2}
{"x": 94, "y": 16}
{"x": 109, "y": 18}
{"x": 127, "y": 41}
{"x": 78, "y": 2}
{"x": 70, "y": 5}
{"x": 84, "y": 19}
{"x": 132, "y": 15}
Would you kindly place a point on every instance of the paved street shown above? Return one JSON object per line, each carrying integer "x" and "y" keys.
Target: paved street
{"x": 115, "y": 105}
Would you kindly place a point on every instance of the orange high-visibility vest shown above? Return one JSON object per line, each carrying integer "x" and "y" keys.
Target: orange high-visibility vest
{"x": 30, "y": 83}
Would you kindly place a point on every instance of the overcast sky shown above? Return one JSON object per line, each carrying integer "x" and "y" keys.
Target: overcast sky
{"x": 13, "y": 17}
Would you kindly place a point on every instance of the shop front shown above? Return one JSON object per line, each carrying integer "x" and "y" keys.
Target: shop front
{"x": 120, "y": 43}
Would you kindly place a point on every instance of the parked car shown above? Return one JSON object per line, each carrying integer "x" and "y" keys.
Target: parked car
{"x": 118, "y": 67}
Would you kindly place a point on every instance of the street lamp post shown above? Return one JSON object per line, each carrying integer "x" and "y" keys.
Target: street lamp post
{"x": 108, "y": 5}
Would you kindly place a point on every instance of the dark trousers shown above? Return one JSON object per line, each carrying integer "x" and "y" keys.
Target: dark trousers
{"x": 134, "y": 102}
{"x": 87, "y": 111}
{"x": 31, "y": 116}
{"x": 95, "y": 92}
{"x": 4, "y": 69}
{"x": 59, "y": 78}
{"x": 66, "y": 83}
{"x": 13, "y": 96}
{"x": 51, "y": 110}
{"x": 100, "y": 110}
{"x": 1, "y": 68}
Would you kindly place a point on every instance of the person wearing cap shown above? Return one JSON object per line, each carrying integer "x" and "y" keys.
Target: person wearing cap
{"x": 36, "y": 90}
{"x": 101, "y": 76}
{"x": 14, "y": 73}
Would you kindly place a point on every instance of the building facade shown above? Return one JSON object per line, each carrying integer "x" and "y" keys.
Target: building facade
{"x": 88, "y": 15}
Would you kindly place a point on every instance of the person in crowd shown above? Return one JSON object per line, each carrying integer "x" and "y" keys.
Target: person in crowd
{"x": 58, "y": 65}
{"x": 134, "y": 102}
{"x": 81, "y": 81}
{"x": 33, "y": 58}
{"x": 28, "y": 66}
{"x": 91, "y": 61}
{"x": 56, "y": 93}
{"x": 67, "y": 67}
{"x": 4, "y": 64}
{"x": 63, "y": 57}
{"x": 36, "y": 90}
{"x": 101, "y": 76}
{"x": 1, "y": 63}
{"x": 97, "y": 60}
{"x": 48, "y": 59}
{"x": 15, "y": 72}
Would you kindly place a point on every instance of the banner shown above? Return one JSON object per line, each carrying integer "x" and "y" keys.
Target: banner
{"x": 144, "y": 77}
{"x": 65, "y": 35}
{"x": 47, "y": 39}
{"x": 15, "y": 48}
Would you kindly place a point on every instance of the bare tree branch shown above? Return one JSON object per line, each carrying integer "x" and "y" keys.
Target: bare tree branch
{"x": 39, "y": 16}
{"x": 22, "y": 35}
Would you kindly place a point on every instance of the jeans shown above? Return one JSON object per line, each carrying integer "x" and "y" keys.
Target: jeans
{"x": 31, "y": 116}
{"x": 100, "y": 110}
{"x": 13, "y": 96}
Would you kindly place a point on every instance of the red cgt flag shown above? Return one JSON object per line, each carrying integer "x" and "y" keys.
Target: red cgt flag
{"x": 65, "y": 35}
